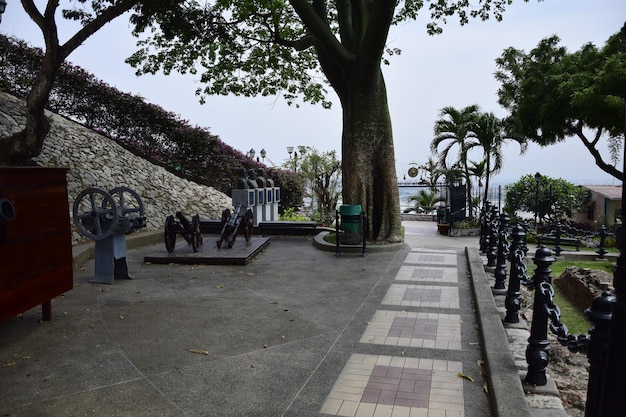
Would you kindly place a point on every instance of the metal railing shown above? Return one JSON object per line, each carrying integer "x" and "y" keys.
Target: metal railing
{"x": 607, "y": 337}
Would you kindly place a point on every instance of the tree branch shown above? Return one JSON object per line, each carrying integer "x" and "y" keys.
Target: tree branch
{"x": 95, "y": 25}
{"x": 600, "y": 163}
{"x": 323, "y": 35}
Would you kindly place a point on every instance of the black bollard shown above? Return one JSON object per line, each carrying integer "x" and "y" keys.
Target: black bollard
{"x": 557, "y": 239}
{"x": 613, "y": 401}
{"x": 483, "y": 242}
{"x": 517, "y": 275}
{"x": 503, "y": 252}
{"x": 600, "y": 315}
{"x": 492, "y": 250}
{"x": 525, "y": 241}
{"x": 538, "y": 345}
{"x": 601, "y": 250}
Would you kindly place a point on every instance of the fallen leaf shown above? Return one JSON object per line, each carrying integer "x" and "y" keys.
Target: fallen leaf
{"x": 220, "y": 286}
{"x": 121, "y": 317}
{"x": 9, "y": 363}
{"x": 199, "y": 351}
{"x": 480, "y": 362}
{"x": 485, "y": 387}
{"x": 469, "y": 378}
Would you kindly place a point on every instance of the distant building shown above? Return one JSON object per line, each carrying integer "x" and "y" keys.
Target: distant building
{"x": 603, "y": 207}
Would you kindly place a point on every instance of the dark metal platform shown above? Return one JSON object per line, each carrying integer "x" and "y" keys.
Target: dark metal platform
{"x": 241, "y": 253}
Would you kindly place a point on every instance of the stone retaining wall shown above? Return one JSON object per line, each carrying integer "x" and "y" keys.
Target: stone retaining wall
{"x": 96, "y": 161}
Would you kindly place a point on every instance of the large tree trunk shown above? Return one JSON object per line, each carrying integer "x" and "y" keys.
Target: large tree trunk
{"x": 368, "y": 164}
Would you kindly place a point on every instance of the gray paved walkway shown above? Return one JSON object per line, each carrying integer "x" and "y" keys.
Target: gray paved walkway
{"x": 297, "y": 332}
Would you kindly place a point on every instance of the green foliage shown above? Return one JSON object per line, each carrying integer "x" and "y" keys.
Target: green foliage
{"x": 552, "y": 94}
{"x": 425, "y": 201}
{"x": 292, "y": 189}
{"x": 551, "y": 198}
{"x": 467, "y": 224}
{"x": 322, "y": 172}
{"x": 291, "y": 215}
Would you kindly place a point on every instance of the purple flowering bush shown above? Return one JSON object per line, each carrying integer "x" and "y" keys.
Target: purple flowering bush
{"x": 145, "y": 129}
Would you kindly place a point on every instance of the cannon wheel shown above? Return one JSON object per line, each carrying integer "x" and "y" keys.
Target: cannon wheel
{"x": 225, "y": 217}
{"x": 170, "y": 233}
{"x": 248, "y": 224}
{"x": 95, "y": 214}
{"x": 196, "y": 236}
{"x": 128, "y": 201}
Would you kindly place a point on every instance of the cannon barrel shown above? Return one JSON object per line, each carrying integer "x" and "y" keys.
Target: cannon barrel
{"x": 7, "y": 211}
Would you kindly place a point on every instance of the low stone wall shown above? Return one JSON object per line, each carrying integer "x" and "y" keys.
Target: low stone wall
{"x": 96, "y": 161}
{"x": 582, "y": 285}
{"x": 418, "y": 217}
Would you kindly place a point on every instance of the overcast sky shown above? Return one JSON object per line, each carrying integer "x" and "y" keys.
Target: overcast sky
{"x": 452, "y": 69}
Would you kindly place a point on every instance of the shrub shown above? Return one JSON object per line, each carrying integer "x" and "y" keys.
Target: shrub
{"x": 145, "y": 129}
{"x": 467, "y": 224}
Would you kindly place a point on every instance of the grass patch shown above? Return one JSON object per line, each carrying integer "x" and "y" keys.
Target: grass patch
{"x": 574, "y": 319}
{"x": 331, "y": 238}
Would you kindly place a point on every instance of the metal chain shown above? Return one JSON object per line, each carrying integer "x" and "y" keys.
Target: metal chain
{"x": 520, "y": 268}
{"x": 585, "y": 234}
{"x": 575, "y": 343}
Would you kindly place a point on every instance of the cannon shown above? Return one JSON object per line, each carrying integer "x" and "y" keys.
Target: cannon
{"x": 106, "y": 217}
{"x": 190, "y": 231}
{"x": 234, "y": 223}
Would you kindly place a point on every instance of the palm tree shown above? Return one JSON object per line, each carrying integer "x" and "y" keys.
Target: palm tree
{"x": 478, "y": 170}
{"x": 433, "y": 171}
{"x": 490, "y": 133}
{"x": 452, "y": 129}
{"x": 425, "y": 201}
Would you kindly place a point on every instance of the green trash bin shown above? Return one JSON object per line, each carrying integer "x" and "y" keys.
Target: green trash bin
{"x": 351, "y": 223}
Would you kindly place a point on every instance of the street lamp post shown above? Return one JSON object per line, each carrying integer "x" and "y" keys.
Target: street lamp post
{"x": 537, "y": 181}
{"x": 263, "y": 153}
{"x": 251, "y": 153}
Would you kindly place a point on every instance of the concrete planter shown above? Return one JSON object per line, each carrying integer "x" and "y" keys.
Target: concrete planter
{"x": 464, "y": 232}
{"x": 443, "y": 228}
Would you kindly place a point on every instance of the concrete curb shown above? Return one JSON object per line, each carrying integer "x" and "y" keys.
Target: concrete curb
{"x": 82, "y": 253}
{"x": 320, "y": 243}
{"x": 505, "y": 387}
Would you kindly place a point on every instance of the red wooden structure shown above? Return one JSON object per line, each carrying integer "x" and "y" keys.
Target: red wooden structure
{"x": 35, "y": 239}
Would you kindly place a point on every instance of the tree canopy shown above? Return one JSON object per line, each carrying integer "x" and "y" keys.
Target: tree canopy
{"x": 548, "y": 198}
{"x": 301, "y": 49}
{"x": 295, "y": 49}
{"x": 553, "y": 94}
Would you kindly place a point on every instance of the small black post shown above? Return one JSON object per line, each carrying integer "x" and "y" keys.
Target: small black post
{"x": 600, "y": 315}
{"x": 484, "y": 227}
{"x": 557, "y": 239}
{"x": 601, "y": 251}
{"x": 336, "y": 232}
{"x": 492, "y": 251}
{"x": 503, "y": 252}
{"x": 518, "y": 273}
{"x": 525, "y": 241}
{"x": 538, "y": 345}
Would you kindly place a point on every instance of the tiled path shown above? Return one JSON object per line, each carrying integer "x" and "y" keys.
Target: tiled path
{"x": 421, "y": 309}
